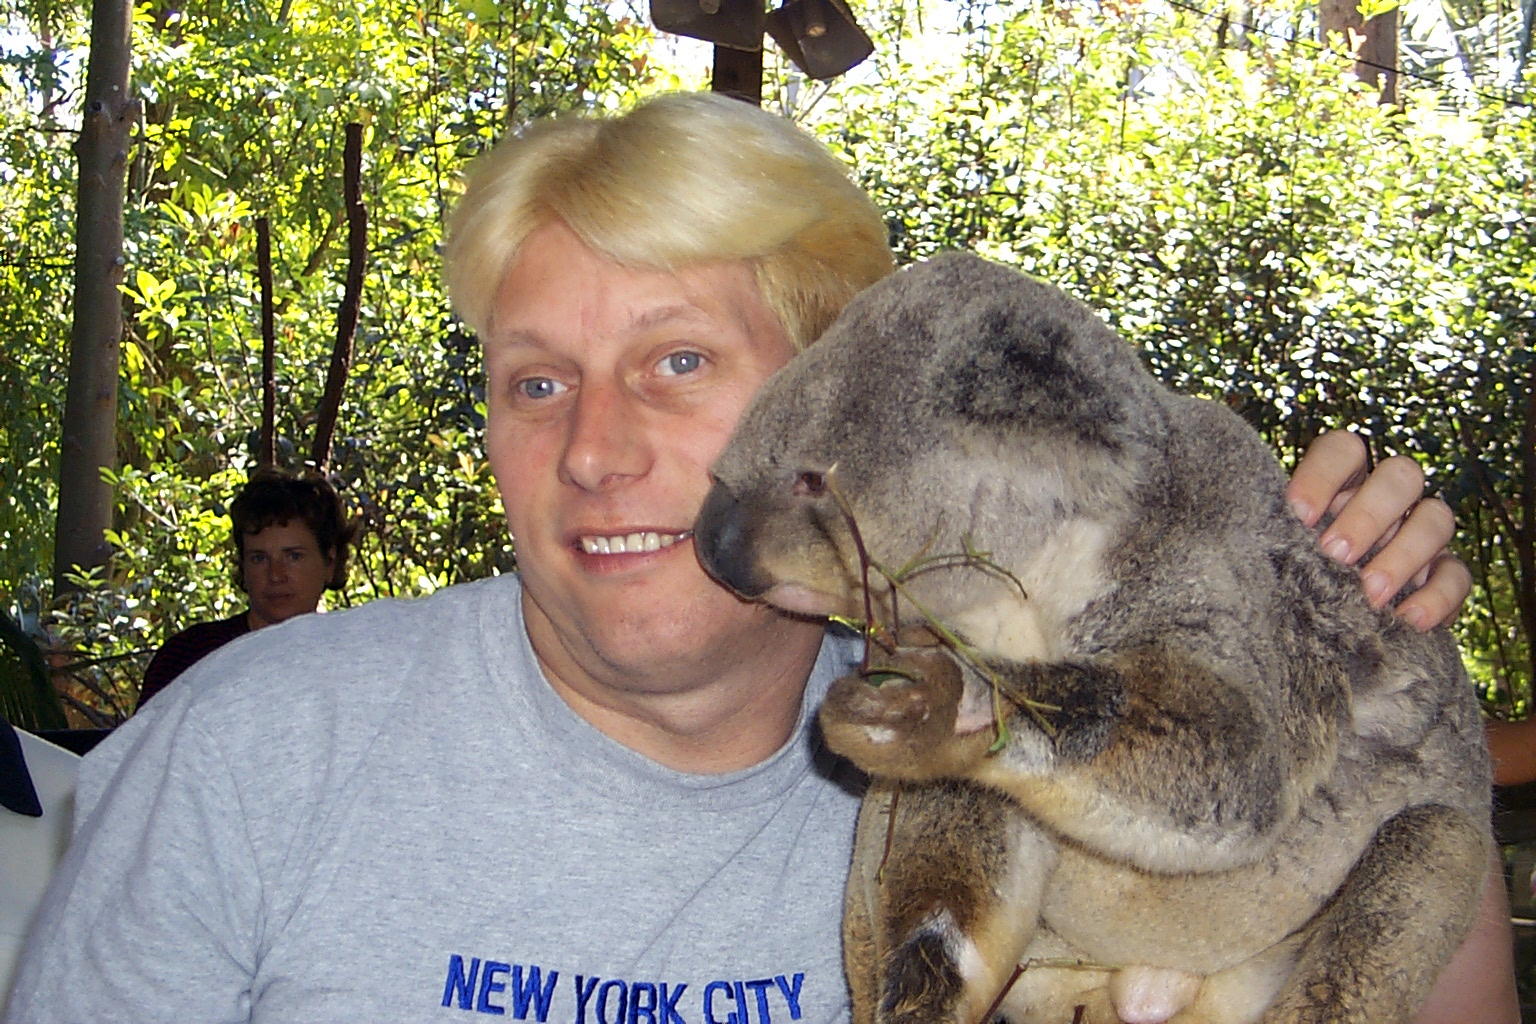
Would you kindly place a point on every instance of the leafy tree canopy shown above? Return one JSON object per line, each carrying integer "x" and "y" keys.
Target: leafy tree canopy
{"x": 1217, "y": 184}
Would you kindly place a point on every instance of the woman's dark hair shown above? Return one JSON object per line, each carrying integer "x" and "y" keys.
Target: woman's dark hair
{"x": 273, "y": 497}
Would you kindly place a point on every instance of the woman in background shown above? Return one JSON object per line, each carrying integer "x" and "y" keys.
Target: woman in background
{"x": 291, "y": 543}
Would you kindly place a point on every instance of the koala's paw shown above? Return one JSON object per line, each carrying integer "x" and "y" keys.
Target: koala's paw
{"x": 898, "y": 720}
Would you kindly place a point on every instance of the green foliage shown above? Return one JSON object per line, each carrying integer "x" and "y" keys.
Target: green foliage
{"x": 26, "y": 698}
{"x": 244, "y": 109}
{"x": 37, "y": 181}
{"x": 1234, "y": 202}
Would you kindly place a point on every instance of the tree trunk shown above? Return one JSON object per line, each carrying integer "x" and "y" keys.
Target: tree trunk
{"x": 1376, "y": 54}
{"x": 89, "y": 439}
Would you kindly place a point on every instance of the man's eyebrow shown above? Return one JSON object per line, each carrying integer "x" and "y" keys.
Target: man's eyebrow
{"x": 674, "y": 312}
{"x": 677, "y": 311}
{"x": 515, "y": 336}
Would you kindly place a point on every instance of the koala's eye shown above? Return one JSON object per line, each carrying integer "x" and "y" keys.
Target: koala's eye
{"x": 810, "y": 484}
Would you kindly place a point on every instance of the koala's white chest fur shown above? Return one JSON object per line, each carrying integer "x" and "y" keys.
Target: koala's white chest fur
{"x": 1059, "y": 579}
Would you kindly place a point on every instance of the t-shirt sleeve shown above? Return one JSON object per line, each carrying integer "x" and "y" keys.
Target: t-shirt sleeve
{"x": 124, "y": 934}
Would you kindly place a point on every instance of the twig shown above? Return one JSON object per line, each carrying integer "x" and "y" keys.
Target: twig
{"x": 351, "y": 299}
{"x": 896, "y": 582}
{"x": 268, "y": 454}
{"x": 1018, "y": 969}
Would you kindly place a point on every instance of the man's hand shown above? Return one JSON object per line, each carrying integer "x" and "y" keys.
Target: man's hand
{"x": 1382, "y": 522}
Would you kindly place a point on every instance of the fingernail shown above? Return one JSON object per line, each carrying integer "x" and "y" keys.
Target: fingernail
{"x": 1375, "y": 584}
{"x": 1302, "y": 510}
{"x": 1337, "y": 549}
{"x": 1417, "y": 617}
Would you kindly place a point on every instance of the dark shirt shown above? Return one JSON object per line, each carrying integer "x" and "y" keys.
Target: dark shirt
{"x": 186, "y": 649}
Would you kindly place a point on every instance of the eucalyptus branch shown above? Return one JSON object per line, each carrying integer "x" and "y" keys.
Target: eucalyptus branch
{"x": 971, "y": 657}
{"x": 896, "y": 581}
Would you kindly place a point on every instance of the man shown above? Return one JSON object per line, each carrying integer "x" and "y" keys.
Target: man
{"x": 586, "y": 793}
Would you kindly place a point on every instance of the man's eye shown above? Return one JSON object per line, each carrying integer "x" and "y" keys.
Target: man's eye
{"x": 679, "y": 363}
{"x": 539, "y": 387}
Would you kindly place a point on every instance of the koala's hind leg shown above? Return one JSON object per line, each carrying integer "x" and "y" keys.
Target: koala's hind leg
{"x": 861, "y": 900}
{"x": 944, "y": 890}
{"x": 1374, "y": 952}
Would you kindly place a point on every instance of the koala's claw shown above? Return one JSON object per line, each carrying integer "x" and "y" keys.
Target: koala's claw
{"x": 894, "y": 707}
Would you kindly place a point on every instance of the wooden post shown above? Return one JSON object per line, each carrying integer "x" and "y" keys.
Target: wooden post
{"x": 738, "y": 73}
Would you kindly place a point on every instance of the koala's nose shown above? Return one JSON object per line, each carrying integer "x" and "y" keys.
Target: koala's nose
{"x": 722, "y": 539}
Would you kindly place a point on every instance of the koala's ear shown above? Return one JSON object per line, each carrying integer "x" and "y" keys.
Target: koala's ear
{"x": 1025, "y": 367}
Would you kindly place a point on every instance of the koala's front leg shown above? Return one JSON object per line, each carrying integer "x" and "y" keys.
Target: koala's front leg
{"x": 899, "y": 721}
{"x": 1156, "y": 760}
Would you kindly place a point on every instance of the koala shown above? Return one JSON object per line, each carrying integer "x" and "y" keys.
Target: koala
{"x": 1158, "y": 759}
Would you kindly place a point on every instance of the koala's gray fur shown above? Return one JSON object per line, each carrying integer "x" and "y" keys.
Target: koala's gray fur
{"x": 1256, "y": 799}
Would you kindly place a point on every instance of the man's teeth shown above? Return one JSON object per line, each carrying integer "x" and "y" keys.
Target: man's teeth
{"x": 629, "y": 543}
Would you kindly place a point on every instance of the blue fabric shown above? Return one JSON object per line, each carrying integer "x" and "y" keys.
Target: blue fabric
{"x": 16, "y": 790}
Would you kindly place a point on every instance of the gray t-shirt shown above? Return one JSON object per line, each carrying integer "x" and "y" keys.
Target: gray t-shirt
{"x": 387, "y": 815}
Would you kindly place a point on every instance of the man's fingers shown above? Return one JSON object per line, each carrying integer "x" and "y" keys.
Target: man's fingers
{"x": 1380, "y": 523}
{"x": 1439, "y": 599}
{"x": 1334, "y": 462}
{"x": 1389, "y": 493}
{"x": 1408, "y": 548}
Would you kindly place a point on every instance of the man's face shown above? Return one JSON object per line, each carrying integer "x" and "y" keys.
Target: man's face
{"x": 611, "y": 391}
{"x": 285, "y": 572}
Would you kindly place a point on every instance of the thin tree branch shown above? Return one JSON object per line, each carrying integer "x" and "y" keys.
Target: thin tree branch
{"x": 267, "y": 455}
{"x": 351, "y": 299}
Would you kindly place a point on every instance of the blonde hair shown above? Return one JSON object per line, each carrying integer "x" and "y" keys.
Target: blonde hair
{"x": 682, "y": 179}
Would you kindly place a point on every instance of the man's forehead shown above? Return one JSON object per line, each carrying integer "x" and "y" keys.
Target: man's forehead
{"x": 535, "y": 300}
{"x": 521, "y": 323}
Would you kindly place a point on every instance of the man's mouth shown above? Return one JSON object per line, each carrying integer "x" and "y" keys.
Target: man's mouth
{"x": 630, "y": 543}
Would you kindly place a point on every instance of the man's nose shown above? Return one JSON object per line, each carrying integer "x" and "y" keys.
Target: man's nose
{"x": 277, "y": 569}
{"x": 606, "y": 441}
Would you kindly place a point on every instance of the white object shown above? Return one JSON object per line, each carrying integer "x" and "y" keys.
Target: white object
{"x": 30, "y": 847}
